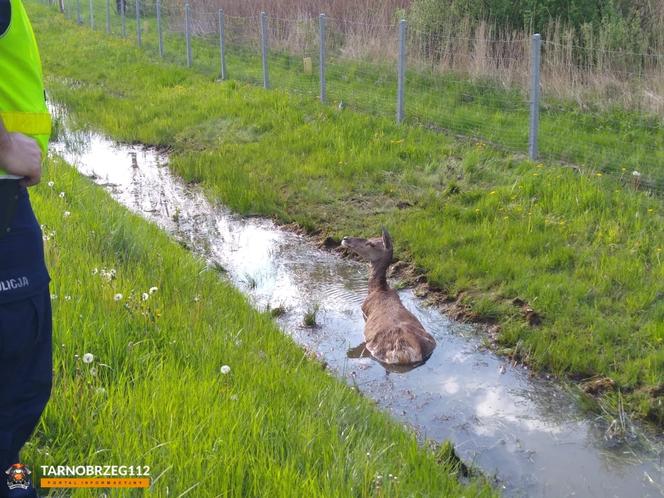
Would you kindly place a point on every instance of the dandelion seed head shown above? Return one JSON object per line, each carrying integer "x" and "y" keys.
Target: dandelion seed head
{"x": 153, "y": 290}
{"x": 225, "y": 369}
{"x": 51, "y": 183}
{"x": 636, "y": 173}
{"x": 66, "y": 214}
{"x": 117, "y": 297}
{"x": 145, "y": 296}
{"x": 61, "y": 195}
{"x": 88, "y": 358}
{"x": 93, "y": 371}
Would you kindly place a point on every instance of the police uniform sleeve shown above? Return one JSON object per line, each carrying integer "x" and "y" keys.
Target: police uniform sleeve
{"x": 5, "y": 15}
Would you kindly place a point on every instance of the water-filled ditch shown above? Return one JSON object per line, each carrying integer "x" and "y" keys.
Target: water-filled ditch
{"x": 526, "y": 432}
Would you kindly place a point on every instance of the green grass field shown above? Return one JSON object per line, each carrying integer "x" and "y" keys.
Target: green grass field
{"x": 160, "y": 325}
{"x": 602, "y": 138}
{"x": 582, "y": 250}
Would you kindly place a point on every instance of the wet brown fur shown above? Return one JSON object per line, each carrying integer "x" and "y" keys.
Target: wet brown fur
{"x": 393, "y": 334}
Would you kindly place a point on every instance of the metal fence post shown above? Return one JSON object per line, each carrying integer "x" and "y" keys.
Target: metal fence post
{"x": 108, "y": 16}
{"x": 266, "y": 79}
{"x": 401, "y": 71}
{"x": 138, "y": 23}
{"x": 222, "y": 44}
{"x": 321, "y": 43}
{"x": 534, "y": 96}
{"x": 123, "y": 15}
{"x": 187, "y": 33}
{"x": 79, "y": 20}
{"x": 159, "y": 33}
{"x": 92, "y": 16}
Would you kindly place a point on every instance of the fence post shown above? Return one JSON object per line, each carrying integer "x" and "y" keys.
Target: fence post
{"x": 138, "y": 23}
{"x": 321, "y": 43}
{"x": 92, "y": 16}
{"x": 534, "y": 96}
{"x": 222, "y": 44}
{"x": 159, "y": 33}
{"x": 401, "y": 71}
{"x": 266, "y": 79}
{"x": 108, "y": 16}
{"x": 187, "y": 33}
{"x": 123, "y": 15}
{"x": 78, "y": 12}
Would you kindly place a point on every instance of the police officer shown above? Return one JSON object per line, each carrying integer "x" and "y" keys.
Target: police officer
{"x": 25, "y": 306}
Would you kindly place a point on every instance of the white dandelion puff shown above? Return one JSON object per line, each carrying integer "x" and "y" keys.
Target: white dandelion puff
{"x": 62, "y": 195}
{"x": 88, "y": 358}
{"x": 636, "y": 173}
{"x": 145, "y": 296}
{"x": 51, "y": 183}
{"x": 153, "y": 290}
{"x": 117, "y": 297}
{"x": 225, "y": 369}
{"x": 66, "y": 214}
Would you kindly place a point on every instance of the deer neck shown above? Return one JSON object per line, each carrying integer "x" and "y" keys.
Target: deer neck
{"x": 378, "y": 277}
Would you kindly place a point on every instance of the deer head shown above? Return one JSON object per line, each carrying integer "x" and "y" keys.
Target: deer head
{"x": 377, "y": 250}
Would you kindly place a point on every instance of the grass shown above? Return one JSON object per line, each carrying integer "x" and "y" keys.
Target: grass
{"x": 309, "y": 319}
{"x": 582, "y": 130}
{"x": 160, "y": 324}
{"x": 583, "y": 251}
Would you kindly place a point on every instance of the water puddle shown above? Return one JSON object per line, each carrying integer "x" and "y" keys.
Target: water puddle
{"x": 524, "y": 431}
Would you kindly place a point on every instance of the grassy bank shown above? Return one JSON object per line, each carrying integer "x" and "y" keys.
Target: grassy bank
{"x": 605, "y": 118}
{"x": 584, "y": 252}
{"x": 160, "y": 326}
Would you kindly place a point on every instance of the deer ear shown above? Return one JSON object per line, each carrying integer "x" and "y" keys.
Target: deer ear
{"x": 387, "y": 240}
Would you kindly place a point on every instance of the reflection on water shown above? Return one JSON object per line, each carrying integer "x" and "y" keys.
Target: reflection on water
{"x": 526, "y": 432}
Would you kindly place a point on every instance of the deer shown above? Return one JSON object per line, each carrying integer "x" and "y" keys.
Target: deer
{"x": 393, "y": 335}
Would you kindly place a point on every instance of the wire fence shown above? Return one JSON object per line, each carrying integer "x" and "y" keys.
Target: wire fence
{"x": 549, "y": 99}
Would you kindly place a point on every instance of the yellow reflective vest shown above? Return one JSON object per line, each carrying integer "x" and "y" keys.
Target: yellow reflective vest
{"x": 22, "y": 101}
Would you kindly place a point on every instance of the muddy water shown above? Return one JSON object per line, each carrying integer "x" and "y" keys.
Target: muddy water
{"x": 525, "y": 432}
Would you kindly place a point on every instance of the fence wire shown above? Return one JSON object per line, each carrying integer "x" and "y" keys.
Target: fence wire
{"x": 600, "y": 109}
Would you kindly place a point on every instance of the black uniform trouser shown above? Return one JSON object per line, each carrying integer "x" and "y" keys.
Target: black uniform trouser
{"x": 25, "y": 373}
